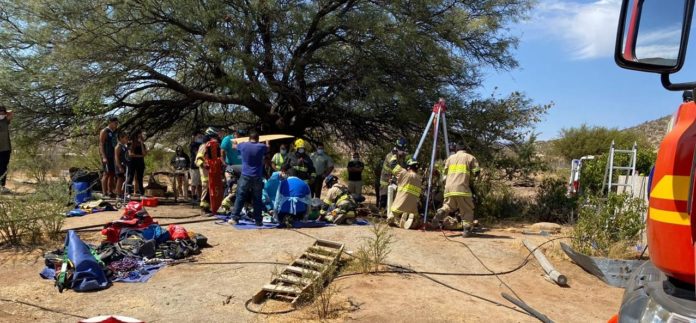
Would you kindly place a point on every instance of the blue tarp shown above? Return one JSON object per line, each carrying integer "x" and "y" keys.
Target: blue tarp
{"x": 88, "y": 275}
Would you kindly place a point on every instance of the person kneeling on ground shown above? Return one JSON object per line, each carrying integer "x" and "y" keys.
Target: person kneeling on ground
{"x": 459, "y": 168}
{"x": 292, "y": 201}
{"x": 405, "y": 205}
{"x": 339, "y": 202}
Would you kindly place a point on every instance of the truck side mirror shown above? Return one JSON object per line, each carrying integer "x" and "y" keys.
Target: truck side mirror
{"x": 653, "y": 34}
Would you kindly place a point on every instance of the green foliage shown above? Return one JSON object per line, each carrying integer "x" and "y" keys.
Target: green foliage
{"x": 34, "y": 157}
{"x": 604, "y": 223}
{"x": 593, "y": 171}
{"x": 31, "y": 218}
{"x": 356, "y": 69}
{"x": 495, "y": 200}
{"x": 552, "y": 203}
{"x": 158, "y": 159}
{"x": 373, "y": 253}
{"x": 585, "y": 140}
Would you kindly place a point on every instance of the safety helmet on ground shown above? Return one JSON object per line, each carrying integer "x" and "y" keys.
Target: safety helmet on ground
{"x": 688, "y": 95}
{"x": 401, "y": 144}
{"x": 299, "y": 143}
{"x": 330, "y": 180}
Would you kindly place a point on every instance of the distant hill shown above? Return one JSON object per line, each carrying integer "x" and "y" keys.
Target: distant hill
{"x": 654, "y": 130}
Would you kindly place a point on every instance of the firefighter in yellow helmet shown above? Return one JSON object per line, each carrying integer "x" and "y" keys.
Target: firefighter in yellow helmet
{"x": 299, "y": 164}
{"x": 398, "y": 156}
{"x": 408, "y": 193}
{"x": 459, "y": 169}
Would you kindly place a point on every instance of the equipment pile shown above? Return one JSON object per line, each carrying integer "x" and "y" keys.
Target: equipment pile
{"x": 135, "y": 247}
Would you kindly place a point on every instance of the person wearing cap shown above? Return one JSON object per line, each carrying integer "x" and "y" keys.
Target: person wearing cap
{"x": 108, "y": 139}
{"x": 323, "y": 165}
{"x": 5, "y": 146}
{"x": 338, "y": 206}
{"x": 355, "y": 170}
{"x": 409, "y": 187}
{"x": 398, "y": 156}
{"x": 459, "y": 169}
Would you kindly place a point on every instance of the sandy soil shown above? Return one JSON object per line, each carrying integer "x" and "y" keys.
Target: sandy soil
{"x": 216, "y": 293}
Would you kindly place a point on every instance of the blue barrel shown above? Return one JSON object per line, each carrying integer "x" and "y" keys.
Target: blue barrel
{"x": 82, "y": 192}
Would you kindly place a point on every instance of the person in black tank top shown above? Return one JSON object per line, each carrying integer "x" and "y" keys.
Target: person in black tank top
{"x": 137, "y": 152}
{"x": 107, "y": 146}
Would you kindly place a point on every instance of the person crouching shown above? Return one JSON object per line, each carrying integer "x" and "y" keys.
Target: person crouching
{"x": 339, "y": 201}
{"x": 405, "y": 205}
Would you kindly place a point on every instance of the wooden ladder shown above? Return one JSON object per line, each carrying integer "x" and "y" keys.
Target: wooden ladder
{"x": 297, "y": 279}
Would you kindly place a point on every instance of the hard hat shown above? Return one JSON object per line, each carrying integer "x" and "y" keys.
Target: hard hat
{"x": 688, "y": 95}
{"x": 211, "y": 131}
{"x": 412, "y": 163}
{"x": 299, "y": 143}
{"x": 330, "y": 180}
{"x": 401, "y": 144}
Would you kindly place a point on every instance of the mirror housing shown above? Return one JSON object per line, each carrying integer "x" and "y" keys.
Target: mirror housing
{"x": 628, "y": 36}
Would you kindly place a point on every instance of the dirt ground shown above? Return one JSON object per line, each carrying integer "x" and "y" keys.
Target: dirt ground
{"x": 217, "y": 293}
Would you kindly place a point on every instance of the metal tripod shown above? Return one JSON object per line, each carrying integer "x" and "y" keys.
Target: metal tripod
{"x": 437, "y": 115}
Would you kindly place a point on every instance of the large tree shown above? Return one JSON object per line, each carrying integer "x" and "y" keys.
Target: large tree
{"x": 354, "y": 68}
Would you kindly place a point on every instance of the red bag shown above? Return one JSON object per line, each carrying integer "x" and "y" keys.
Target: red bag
{"x": 131, "y": 210}
{"x": 112, "y": 233}
{"x": 177, "y": 232}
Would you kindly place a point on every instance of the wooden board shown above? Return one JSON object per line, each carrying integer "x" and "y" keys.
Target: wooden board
{"x": 298, "y": 278}
{"x": 263, "y": 138}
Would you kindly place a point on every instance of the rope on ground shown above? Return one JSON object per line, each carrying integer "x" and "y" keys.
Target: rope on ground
{"x": 483, "y": 264}
{"x": 246, "y": 305}
{"x": 41, "y": 308}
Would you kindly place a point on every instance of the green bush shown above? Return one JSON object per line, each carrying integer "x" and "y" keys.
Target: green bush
{"x": 605, "y": 223}
{"x": 494, "y": 201}
{"x": 552, "y": 203}
{"x": 30, "y": 219}
{"x": 592, "y": 173}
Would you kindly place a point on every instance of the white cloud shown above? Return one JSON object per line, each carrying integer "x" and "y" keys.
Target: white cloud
{"x": 587, "y": 29}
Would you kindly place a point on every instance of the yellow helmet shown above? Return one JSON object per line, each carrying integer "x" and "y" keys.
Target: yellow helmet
{"x": 299, "y": 143}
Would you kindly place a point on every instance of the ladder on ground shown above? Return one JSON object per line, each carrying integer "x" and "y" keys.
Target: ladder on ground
{"x": 628, "y": 170}
{"x": 296, "y": 282}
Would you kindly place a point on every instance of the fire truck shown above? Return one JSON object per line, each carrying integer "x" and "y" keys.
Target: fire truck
{"x": 652, "y": 37}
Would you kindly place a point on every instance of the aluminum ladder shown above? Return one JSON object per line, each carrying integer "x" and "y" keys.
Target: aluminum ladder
{"x": 630, "y": 170}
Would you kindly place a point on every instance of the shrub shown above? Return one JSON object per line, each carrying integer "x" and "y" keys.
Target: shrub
{"x": 604, "y": 223}
{"x": 494, "y": 200}
{"x": 372, "y": 254}
{"x": 551, "y": 202}
{"x": 30, "y": 219}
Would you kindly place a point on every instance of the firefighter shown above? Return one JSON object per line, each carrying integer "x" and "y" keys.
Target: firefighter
{"x": 408, "y": 193}
{"x": 299, "y": 164}
{"x": 339, "y": 202}
{"x": 210, "y": 134}
{"x": 459, "y": 169}
{"x": 398, "y": 156}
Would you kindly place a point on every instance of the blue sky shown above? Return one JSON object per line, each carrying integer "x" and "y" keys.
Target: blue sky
{"x": 566, "y": 57}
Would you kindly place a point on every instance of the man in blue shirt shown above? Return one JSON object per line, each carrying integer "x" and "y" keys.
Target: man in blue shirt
{"x": 233, "y": 165}
{"x": 251, "y": 181}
